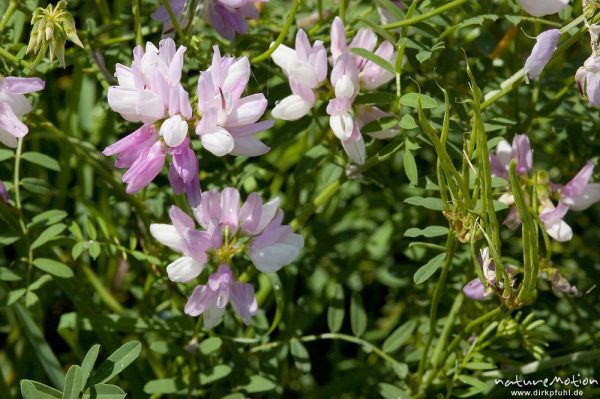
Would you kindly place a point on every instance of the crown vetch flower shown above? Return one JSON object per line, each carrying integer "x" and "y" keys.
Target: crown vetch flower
{"x": 212, "y": 298}
{"x": 181, "y": 236}
{"x": 150, "y": 90}
{"x": 350, "y": 73}
{"x": 228, "y": 17}
{"x": 230, "y": 121}
{"x": 520, "y": 151}
{"x": 539, "y": 8}
{"x": 13, "y": 104}
{"x": 541, "y": 53}
{"x": 588, "y": 79}
{"x": 306, "y": 69}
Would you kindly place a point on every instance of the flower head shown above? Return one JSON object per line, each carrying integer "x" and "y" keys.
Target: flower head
{"x": 13, "y": 104}
{"x": 306, "y": 69}
{"x": 150, "y": 90}
{"x": 350, "y": 73}
{"x": 230, "y": 121}
{"x": 520, "y": 151}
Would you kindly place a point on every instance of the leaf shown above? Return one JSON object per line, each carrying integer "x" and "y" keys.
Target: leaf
{"x": 358, "y": 316}
{"x": 259, "y": 383}
{"x": 301, "y": 356}
{"x": 8, "y": 275}
{"x": 216, "y": 373}
{"x": 474, "y": 382}
{"x": 279, "y": 301}
{"x": 13, "y": 296}
{"x": 73, "y": 383}
{"x": 408, "y": 122}
{"x": 410, "y": 167}
{"x": 335, "y": 313}
{"x": 36, "y": 390}
{"x": 48, "y": 218}
{"x": 105, "y": 391}
{"x": 6, "y": 154}
{"x": 53, "y": 267}
{"x": 429, "y": 268}
{"x": 117, "y": 362}
{"x": 481, "y": 366}
{"x": 430, "y": 231}
{"x": 94, "y": 250}
{"x": 392, "y": 8}
{"x": 399, "y": 337}
{"x": 389, "y": 391}
{"x": 383, "y": 63}
{"x": 39, "y": 282}
{"x": 87, "y": 365}
{"x": 9, "y": 236}
{"x": 48, "y": 234}
{"x": 412, "y": 100}
{"x": 36, "y": 186}
{"x": 165, "y": 386}
{"x": 42, "y": 160}
{"x": 432, "y": 203}
{"x": 210, "y": 345}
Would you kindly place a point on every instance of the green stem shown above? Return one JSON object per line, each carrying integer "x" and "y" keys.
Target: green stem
{"x": 104, "y": 294}
{"x": 38, "y": 58}
{"x": 467, "y": 330}
{"x": 135, "y": 6}
{"x": 342, "y": 10}
{"x": 441, "y": 343}
{"x": 7, "y": 55}
{"x": 425, "y": 16}
{"x": 367, "y": 346}
{"x": 12, "y": 6}
{"x": 515, "y": 80}
{"x": 173, "y": 19}
{"x": 435, "y": 300}
{"x": 281, "y": 36}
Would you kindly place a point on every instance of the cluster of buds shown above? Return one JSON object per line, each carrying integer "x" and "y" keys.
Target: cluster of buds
{"x": 52, "y": 27}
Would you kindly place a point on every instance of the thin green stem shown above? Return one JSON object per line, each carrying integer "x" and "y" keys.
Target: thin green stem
{"x": 38, "y": 58}
{"x": 425, "y": 16}
{"x": 281, "y": 36}
{"x": 342, "y": 10}
{"x": 173, "y": 19}
{"x": 7, "y": 55}
{"x": 12, "y": 6}
{"x": 137, "y": 21}
{"x": 99, "y": 288}
{"x": 467, "y": 330}
{"x": 367, "y": 346}
{"x": 435, "y": 300}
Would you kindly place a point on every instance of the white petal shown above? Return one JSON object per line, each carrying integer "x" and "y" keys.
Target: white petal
{"x": 539, "y": 8}
{"x": 504, "y": 153}
{"x": 283, "y": 56}
{"x": 184, "y": 269}
{"x": 560, "y": 231}
{"x": 174, "y": 130}
{"x": 355, "y": 150}
{"x": 274, "y": 257}
{"x": 344, "y": 87}
{"x": 167, "y": 235}
{"x": 342, "y": 125}
{"x": 291, "y": 108}
{"x": 218, "y": 141}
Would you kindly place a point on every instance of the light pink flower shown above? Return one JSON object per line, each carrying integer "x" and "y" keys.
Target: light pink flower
{"x": 229, "y": 121}
{"x": 539, "y": 8}
{"x": 541, "y": 53}
{"x": 349, "y": 75}
{"x": 520, "y": 151}
{"x": 13, "y": 104}
{"x": 588, "y": 79}
{"x": 150, "y": 90}
{"x": 228, "y": 17}
{"x": 306, "y": 69}
{"x": 181, "y": 236}
{"x": 212, "y": 298}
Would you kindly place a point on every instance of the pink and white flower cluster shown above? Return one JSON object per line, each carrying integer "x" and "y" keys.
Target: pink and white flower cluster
{"x": 578, "y": 194}
{"x": 227, "y": 227}
{"x": 150, "y": 92}
{"x": 306, "y": 69}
